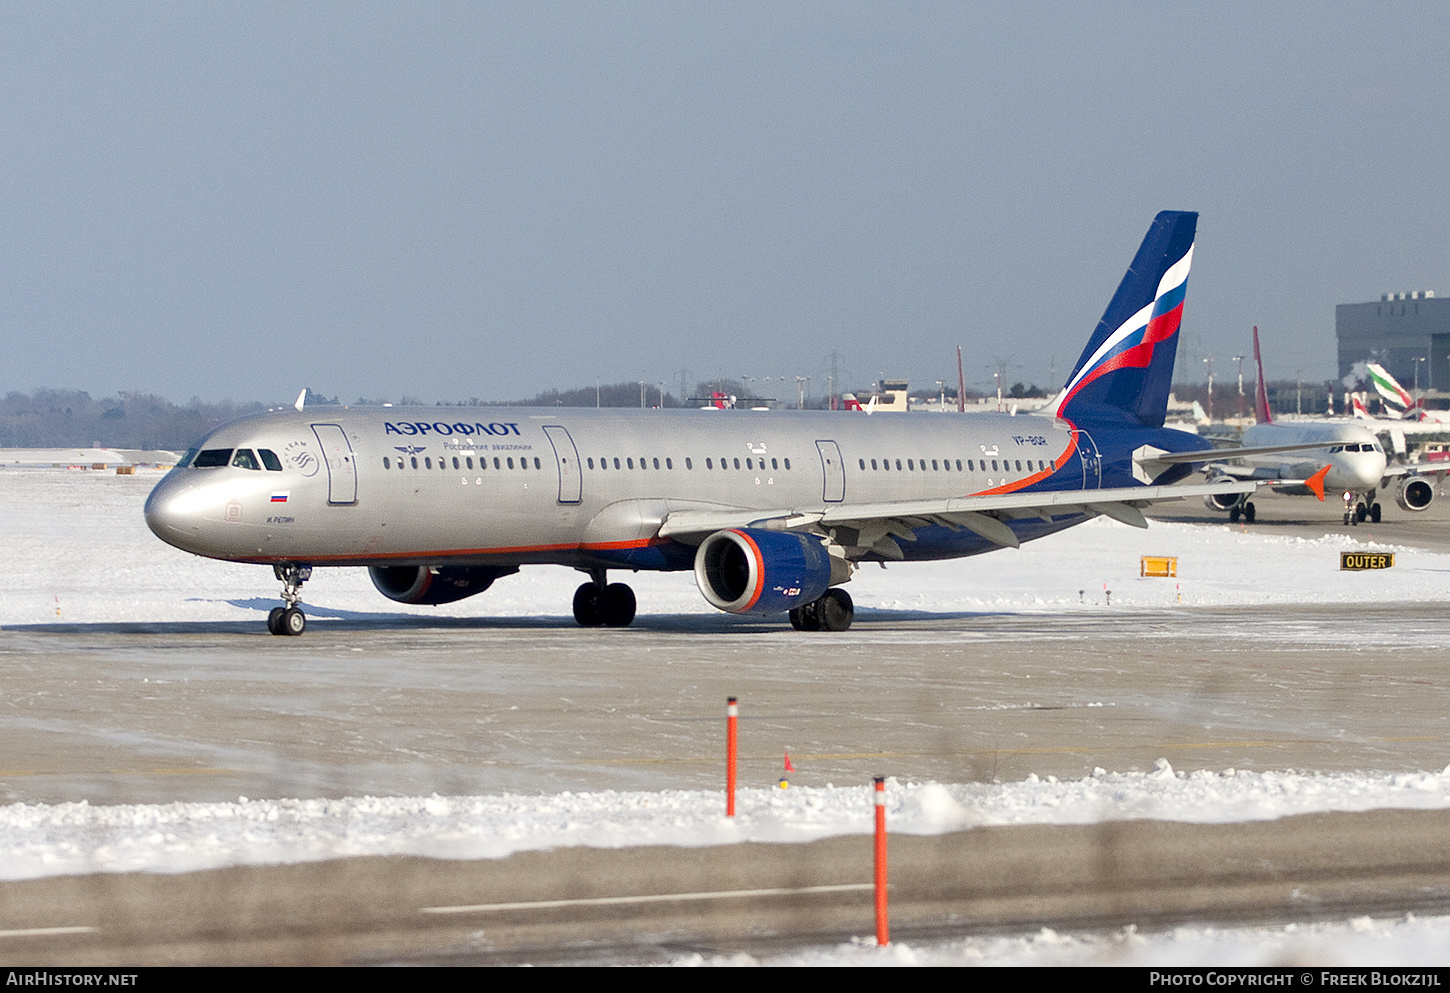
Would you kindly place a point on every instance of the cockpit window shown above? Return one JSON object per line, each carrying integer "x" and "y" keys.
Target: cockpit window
{"x": 245, "y": 459}
{"x": 185, "y": 460}
{"x": 270, "y": 460}
{"x": 210, "y": 458}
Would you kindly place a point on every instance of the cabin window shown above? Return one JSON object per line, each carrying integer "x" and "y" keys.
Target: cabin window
{"x": 656, "y": 462}
{"x": 910, "y": 465}
{"x": 511, "y": 463}
{"x": 933, "y": 465}
{"x": 863, "y": 463}
{"x": 775, "y": 464}
{"x": 898, "y": 465}
{"x": 748, "y": 464}
{"x": 629, "y": 463}
{"x": 886, "y": 465}
{"x": 496, "y": 463}
{"x": 211, "y": 458}
{"x": 994, "y": 465}
{"x": 386, "y": 463}
{"x": 689, "y": 464}
{"x": 709, "y": 463}
{"x": 537, "y": 463}
{"x": 469, "y": 462}
{"x": 873, "y": 464}
{"x": 737, "y": 463}
{"x": 669, "y": 463}
{"x": 591, "y": 462}
{"x": 427, "y": 462}
{"x": 455, "y": 462}
{"x": 245, "y": 459}
{"x": 270, "y": 460}
{"x": 1019, "y": 465}
{"x": 616, "y": 463}
{"x": 415, "y": 461}
{"x": 787, "y": 464}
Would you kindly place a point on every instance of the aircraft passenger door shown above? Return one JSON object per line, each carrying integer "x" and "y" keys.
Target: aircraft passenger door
{"x": 833, "y": 490}
{"x": 567, "y": 456}
{"x": 341, "y": 463}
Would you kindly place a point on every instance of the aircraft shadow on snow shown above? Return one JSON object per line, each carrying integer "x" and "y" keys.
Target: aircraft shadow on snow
{"x": 357, "y": 620}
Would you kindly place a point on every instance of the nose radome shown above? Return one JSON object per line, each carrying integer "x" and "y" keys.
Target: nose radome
{"x": 165, "y": 517}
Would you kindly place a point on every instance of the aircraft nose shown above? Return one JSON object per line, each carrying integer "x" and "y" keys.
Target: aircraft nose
{"x": 170, "y": 514}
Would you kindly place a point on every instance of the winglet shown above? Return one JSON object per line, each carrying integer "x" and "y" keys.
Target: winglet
{"x": 301, "y": 398}
{"x": 1316, "y": 483}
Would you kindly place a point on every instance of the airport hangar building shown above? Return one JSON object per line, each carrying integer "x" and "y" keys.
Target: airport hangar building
{"x": 1395, "y": 331}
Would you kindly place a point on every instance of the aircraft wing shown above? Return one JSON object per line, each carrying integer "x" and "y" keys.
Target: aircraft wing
{"x": 1415, "y": 469}
{"x": 879, "y": 525}
{"x": 1149, "y": 454}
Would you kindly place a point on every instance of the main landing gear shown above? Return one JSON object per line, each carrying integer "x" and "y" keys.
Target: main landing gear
{"x": 1246, "y": 510}
{"x": 834, "y": 611}
{"x": 289, "y": 620}
{"x": 1356, "y": 511}
{"x": 599, "y": 605}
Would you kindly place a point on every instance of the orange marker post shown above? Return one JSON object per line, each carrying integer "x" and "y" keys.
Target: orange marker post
{"x": 732, "y": 715}
{"x": 883, "y": 926}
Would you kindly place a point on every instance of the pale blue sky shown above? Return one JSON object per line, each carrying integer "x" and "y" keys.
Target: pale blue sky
{"x": 476, "y": 200}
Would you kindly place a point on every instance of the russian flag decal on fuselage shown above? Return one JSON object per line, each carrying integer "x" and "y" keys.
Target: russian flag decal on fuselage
{"x": 280, "y": 497}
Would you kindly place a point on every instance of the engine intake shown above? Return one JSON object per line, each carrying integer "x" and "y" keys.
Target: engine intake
{"x": 426, "y": 584}
{"x": 1414, "y": 494}
{"x": 752, "y": 571}
{"x": 1222, "y": 501}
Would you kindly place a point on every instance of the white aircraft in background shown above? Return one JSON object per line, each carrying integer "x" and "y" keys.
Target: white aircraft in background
{"x": 1349, "y": 460}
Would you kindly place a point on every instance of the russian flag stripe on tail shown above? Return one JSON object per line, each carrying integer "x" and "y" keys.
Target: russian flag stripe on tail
{"x": 1126, "y": 370}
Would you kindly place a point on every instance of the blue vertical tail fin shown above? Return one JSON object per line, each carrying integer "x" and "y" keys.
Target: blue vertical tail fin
{"x": 1126, "y": 370}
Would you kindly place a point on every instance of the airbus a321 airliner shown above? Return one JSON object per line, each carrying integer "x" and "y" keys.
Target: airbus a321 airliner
{"x": 773, "y": 510}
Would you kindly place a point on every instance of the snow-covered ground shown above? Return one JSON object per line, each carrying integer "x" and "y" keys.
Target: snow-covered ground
{"x": 80, "y": 552}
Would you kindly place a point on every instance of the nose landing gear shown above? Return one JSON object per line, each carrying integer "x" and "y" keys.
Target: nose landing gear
{"x": 1356, "y": 511}
{"x": 289, "y": 620}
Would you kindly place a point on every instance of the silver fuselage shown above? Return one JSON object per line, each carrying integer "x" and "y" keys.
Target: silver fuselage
{"x": 471, "y": 485}
{"x": 1355, "y": 458}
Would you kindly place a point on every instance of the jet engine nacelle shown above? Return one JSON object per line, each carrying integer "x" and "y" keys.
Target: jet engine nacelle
{"x": 425, "y": 584}
{"x": 753, "y": 571}
{"x": 1414, "y": 494}
{"x": 1222, "y": 501}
